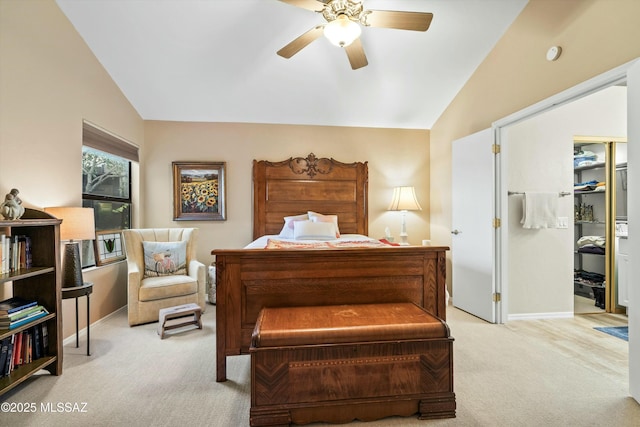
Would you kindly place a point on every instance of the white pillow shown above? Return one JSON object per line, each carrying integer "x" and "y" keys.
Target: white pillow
{"x": 287, "y": 230}
{"x": 309, "y": 230}
{"x": 317, "y": 217}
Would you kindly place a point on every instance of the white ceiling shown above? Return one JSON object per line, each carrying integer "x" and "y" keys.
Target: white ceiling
{"x": 215, "y": 60}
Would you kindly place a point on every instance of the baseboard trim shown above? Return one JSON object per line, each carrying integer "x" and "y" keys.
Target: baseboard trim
{"x": 536, "y": 316}
{"x": 82, "y": 332}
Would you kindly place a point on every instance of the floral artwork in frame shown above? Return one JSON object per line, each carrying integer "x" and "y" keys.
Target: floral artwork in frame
{"x": 108, "y": 247}
{"x": 198, "y": 191}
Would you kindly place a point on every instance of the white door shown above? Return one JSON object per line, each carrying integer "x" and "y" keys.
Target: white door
{"x": 633, "y": 158}
{"x": 472, "y": 248}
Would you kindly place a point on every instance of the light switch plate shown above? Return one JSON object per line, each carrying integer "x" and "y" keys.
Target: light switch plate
{"x": 562, "y": 222}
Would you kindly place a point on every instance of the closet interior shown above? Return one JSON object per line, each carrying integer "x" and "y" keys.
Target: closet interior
{"x": 600, "y": 224}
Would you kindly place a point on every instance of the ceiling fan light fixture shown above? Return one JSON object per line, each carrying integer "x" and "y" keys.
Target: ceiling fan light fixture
{"x": 342, "y": 31}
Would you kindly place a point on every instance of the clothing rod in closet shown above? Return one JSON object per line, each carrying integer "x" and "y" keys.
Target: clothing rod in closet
{"x": 560, "y": 194}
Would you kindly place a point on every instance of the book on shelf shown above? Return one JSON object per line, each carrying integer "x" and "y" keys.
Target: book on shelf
{"x": 4, "y": 350}
{"x": 3, "y": 253}
{"x": 14, "y": 304}
{"x": 8, "y": 365}
{"x": 45, "y": 338}
{"x": 28, "y": 355}
{"x": 23, "y": 321}
{"x": 25, "y": 348}
{"x": 37, "y": 341}
{"x": 24, "y": 252}
{"x": 17, "y": 350}
{"x": 15, "y": 253}
{"x": 21, "y": 348}
{"x": 5, "y": 248}
{"x": 17, "y": 315}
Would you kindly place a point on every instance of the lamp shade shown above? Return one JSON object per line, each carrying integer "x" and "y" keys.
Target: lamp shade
{"x": 404, "y": 199}
{"x": 342, "y": 31}
{"x": 77, "y": 223}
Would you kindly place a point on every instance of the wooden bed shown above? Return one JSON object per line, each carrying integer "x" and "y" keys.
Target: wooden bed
{"x": 249, "y": 279}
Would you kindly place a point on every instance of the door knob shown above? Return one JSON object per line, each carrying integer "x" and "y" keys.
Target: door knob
{"x": 456, "y": 232}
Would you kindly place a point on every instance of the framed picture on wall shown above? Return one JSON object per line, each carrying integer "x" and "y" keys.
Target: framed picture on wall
{"x": 108, "y": 247}
{"x": 198, "y": 191}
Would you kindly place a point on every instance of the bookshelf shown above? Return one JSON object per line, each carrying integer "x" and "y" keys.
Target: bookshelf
{"x": 41, "y": 282}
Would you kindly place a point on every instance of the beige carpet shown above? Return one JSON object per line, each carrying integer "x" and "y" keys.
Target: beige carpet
{"x": 505, "y": 375}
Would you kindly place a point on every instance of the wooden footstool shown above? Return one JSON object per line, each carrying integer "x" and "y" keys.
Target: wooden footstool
{"x": 339, "y": 363}
{"x": 192, "y": 311}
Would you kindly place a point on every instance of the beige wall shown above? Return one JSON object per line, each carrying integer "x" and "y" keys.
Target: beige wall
{"x": 49, "y": 83}
{"x": 595, "y": 35}
{"x": 395, "y": 157}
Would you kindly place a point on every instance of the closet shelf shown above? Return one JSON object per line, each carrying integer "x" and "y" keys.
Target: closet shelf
{"x": 590, "y": 285}
{"x": 591, "y": 166}
{"x": 599, "y": 197}
{"x": 587, "y": 253}
{"x": 580, "y": 193}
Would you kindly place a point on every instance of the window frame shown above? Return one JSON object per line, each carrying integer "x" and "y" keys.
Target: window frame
{"x": 87, "y": 196}
{"x": 105, "y": 142}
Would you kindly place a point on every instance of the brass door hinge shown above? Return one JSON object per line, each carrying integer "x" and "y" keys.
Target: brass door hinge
{"x": 495, "y": 149}
{"x": 496, "y": 222}
{"x": 497, "y": 297}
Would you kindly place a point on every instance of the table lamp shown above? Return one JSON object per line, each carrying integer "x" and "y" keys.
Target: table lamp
{"x": 404, "y": 199}
{"x": 77, "y": 224}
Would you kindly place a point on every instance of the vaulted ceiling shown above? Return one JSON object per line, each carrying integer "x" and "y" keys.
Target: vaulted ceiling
{"x": 215, "y": 60}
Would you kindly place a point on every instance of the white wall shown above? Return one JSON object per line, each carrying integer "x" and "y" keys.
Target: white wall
{"x": 540, "y": 158}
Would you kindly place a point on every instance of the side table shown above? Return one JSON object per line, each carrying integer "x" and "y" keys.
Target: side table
{"x": 77, "y": 292}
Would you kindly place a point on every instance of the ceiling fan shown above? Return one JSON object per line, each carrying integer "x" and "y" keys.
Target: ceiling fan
{"x": 344, "y": 18}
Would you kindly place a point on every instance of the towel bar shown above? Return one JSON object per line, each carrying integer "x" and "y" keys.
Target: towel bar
{"x": 560, "y": 194}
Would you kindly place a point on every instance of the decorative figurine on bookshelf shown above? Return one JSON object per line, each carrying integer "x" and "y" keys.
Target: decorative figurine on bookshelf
{"x": 12, "y": 207}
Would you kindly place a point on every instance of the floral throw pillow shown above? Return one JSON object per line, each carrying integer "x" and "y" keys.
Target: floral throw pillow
{"x": 164, "y": 258}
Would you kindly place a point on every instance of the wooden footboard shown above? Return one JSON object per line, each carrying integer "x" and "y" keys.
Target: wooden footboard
{"x": 250, "y": 279}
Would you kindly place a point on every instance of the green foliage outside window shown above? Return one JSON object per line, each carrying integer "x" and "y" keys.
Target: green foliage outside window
{"x": 104, "y": 174}
{"x": 106, "y": 187}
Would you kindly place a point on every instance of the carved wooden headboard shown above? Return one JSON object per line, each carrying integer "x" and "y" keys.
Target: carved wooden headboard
{"x": 300, "y": 184}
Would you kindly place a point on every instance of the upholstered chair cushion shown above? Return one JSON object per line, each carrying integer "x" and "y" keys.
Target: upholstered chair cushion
{"x": 184, "y": 284}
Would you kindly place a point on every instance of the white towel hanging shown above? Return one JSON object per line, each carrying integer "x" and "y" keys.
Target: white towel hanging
{"x": 540, "y": 210}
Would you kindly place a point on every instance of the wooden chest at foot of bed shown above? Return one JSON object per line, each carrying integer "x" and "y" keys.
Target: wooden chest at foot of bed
{"x": 345, "y": 362}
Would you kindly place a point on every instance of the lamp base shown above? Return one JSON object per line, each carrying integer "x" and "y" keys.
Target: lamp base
{"x": 71, "y": 266}
{"x": 404, "y": 237}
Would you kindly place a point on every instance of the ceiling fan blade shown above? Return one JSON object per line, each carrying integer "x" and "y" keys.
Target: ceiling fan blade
{"x": 415, "y": 21}
{"x": 312, "y": 5}
{"x": 301, "y": 42}
{"x": 356, "y": 55}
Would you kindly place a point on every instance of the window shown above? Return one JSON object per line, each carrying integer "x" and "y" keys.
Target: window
{"x": 106, "y": 183}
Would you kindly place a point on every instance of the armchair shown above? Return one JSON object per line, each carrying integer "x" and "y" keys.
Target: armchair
{"x": 147, "y": 294}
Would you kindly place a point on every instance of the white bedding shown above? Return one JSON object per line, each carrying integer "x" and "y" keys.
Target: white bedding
{"x": 344, "y": 240}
